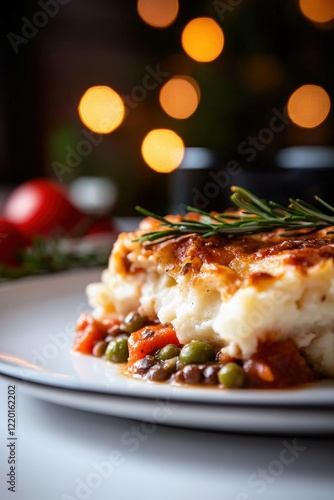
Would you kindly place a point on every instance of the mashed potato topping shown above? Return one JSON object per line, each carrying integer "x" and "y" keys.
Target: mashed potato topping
{"x": 231, "y": 292}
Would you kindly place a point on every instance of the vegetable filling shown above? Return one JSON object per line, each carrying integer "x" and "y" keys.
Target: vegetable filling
{"x": 151, "y": 351}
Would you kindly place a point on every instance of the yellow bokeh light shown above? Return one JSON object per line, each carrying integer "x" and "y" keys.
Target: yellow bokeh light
{"x": 163, "y": 150}
{"x": 179, "y": 97}
{"x": 203, "y": 39}
{"x": 101, "y": 109}
{"x": 309, "y": 106}
{"x": 318, "y": 11}
{"x": 158, "y": 13}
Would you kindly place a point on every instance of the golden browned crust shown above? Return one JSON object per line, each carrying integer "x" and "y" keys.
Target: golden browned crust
{"x": 187, "y": 254}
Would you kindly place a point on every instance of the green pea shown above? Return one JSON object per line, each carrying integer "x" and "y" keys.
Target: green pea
{"x": 168, "y": 351}
{"x": 197, "y": 352}
{"x": 133, "y": 322}
{"x": 232, "y": 376}
{"x": 117, "y": 350}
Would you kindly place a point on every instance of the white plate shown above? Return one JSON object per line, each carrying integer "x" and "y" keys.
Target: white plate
{"x": 36, "y": 333}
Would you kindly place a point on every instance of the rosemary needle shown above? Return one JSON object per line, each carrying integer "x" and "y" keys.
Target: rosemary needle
{"x": 255, "y": 215}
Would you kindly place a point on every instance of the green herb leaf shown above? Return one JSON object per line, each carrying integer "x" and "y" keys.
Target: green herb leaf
{"x": 255, "y": 216}
{"x": 47, "y": 255}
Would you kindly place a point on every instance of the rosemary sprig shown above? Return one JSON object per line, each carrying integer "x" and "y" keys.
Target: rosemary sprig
{"x": 46, "y": 255}
{"x": 255, "y": 215}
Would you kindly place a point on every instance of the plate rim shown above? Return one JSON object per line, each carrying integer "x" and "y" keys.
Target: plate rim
{"x": 252, "y": 420}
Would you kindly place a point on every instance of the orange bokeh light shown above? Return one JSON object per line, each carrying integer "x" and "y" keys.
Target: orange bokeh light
{"x": 101, "y": 109}
{"x": 179, "y": 97}
{"x": 158, "y": 13}
{"x": 308, "y": 106}
{"x": 163, "y": 150}
{"x": 203, "y": 39}
{"x": 318, "y": 11}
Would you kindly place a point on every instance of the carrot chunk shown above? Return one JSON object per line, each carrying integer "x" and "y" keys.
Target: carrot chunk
{"x": 149, "y": 339}
{"x": 89, "y": 332}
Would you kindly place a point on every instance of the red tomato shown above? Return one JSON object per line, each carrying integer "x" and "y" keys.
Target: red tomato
{"x": 12, "y": 241}
{"x": 41, "y": 206}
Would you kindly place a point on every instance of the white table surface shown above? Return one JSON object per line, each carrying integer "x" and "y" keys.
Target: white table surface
{"x": 66, "y": 454}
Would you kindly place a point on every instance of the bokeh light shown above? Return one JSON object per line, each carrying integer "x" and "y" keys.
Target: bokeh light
{"x": 203, "y": 39}
{"x": 308, "y": 106}
{"x": 163, "y": 150}
{"x": 318, "y": 11}
{"x": 158, "y": 13}
{"x": 179, "y": 97}
{"x": 101, "y": 109}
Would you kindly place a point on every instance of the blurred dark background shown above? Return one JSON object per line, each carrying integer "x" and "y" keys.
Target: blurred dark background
{"x": 270, "y": 50}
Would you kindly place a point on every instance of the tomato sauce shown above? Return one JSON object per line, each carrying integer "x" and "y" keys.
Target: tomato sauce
{"x": 278, "y": 365}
